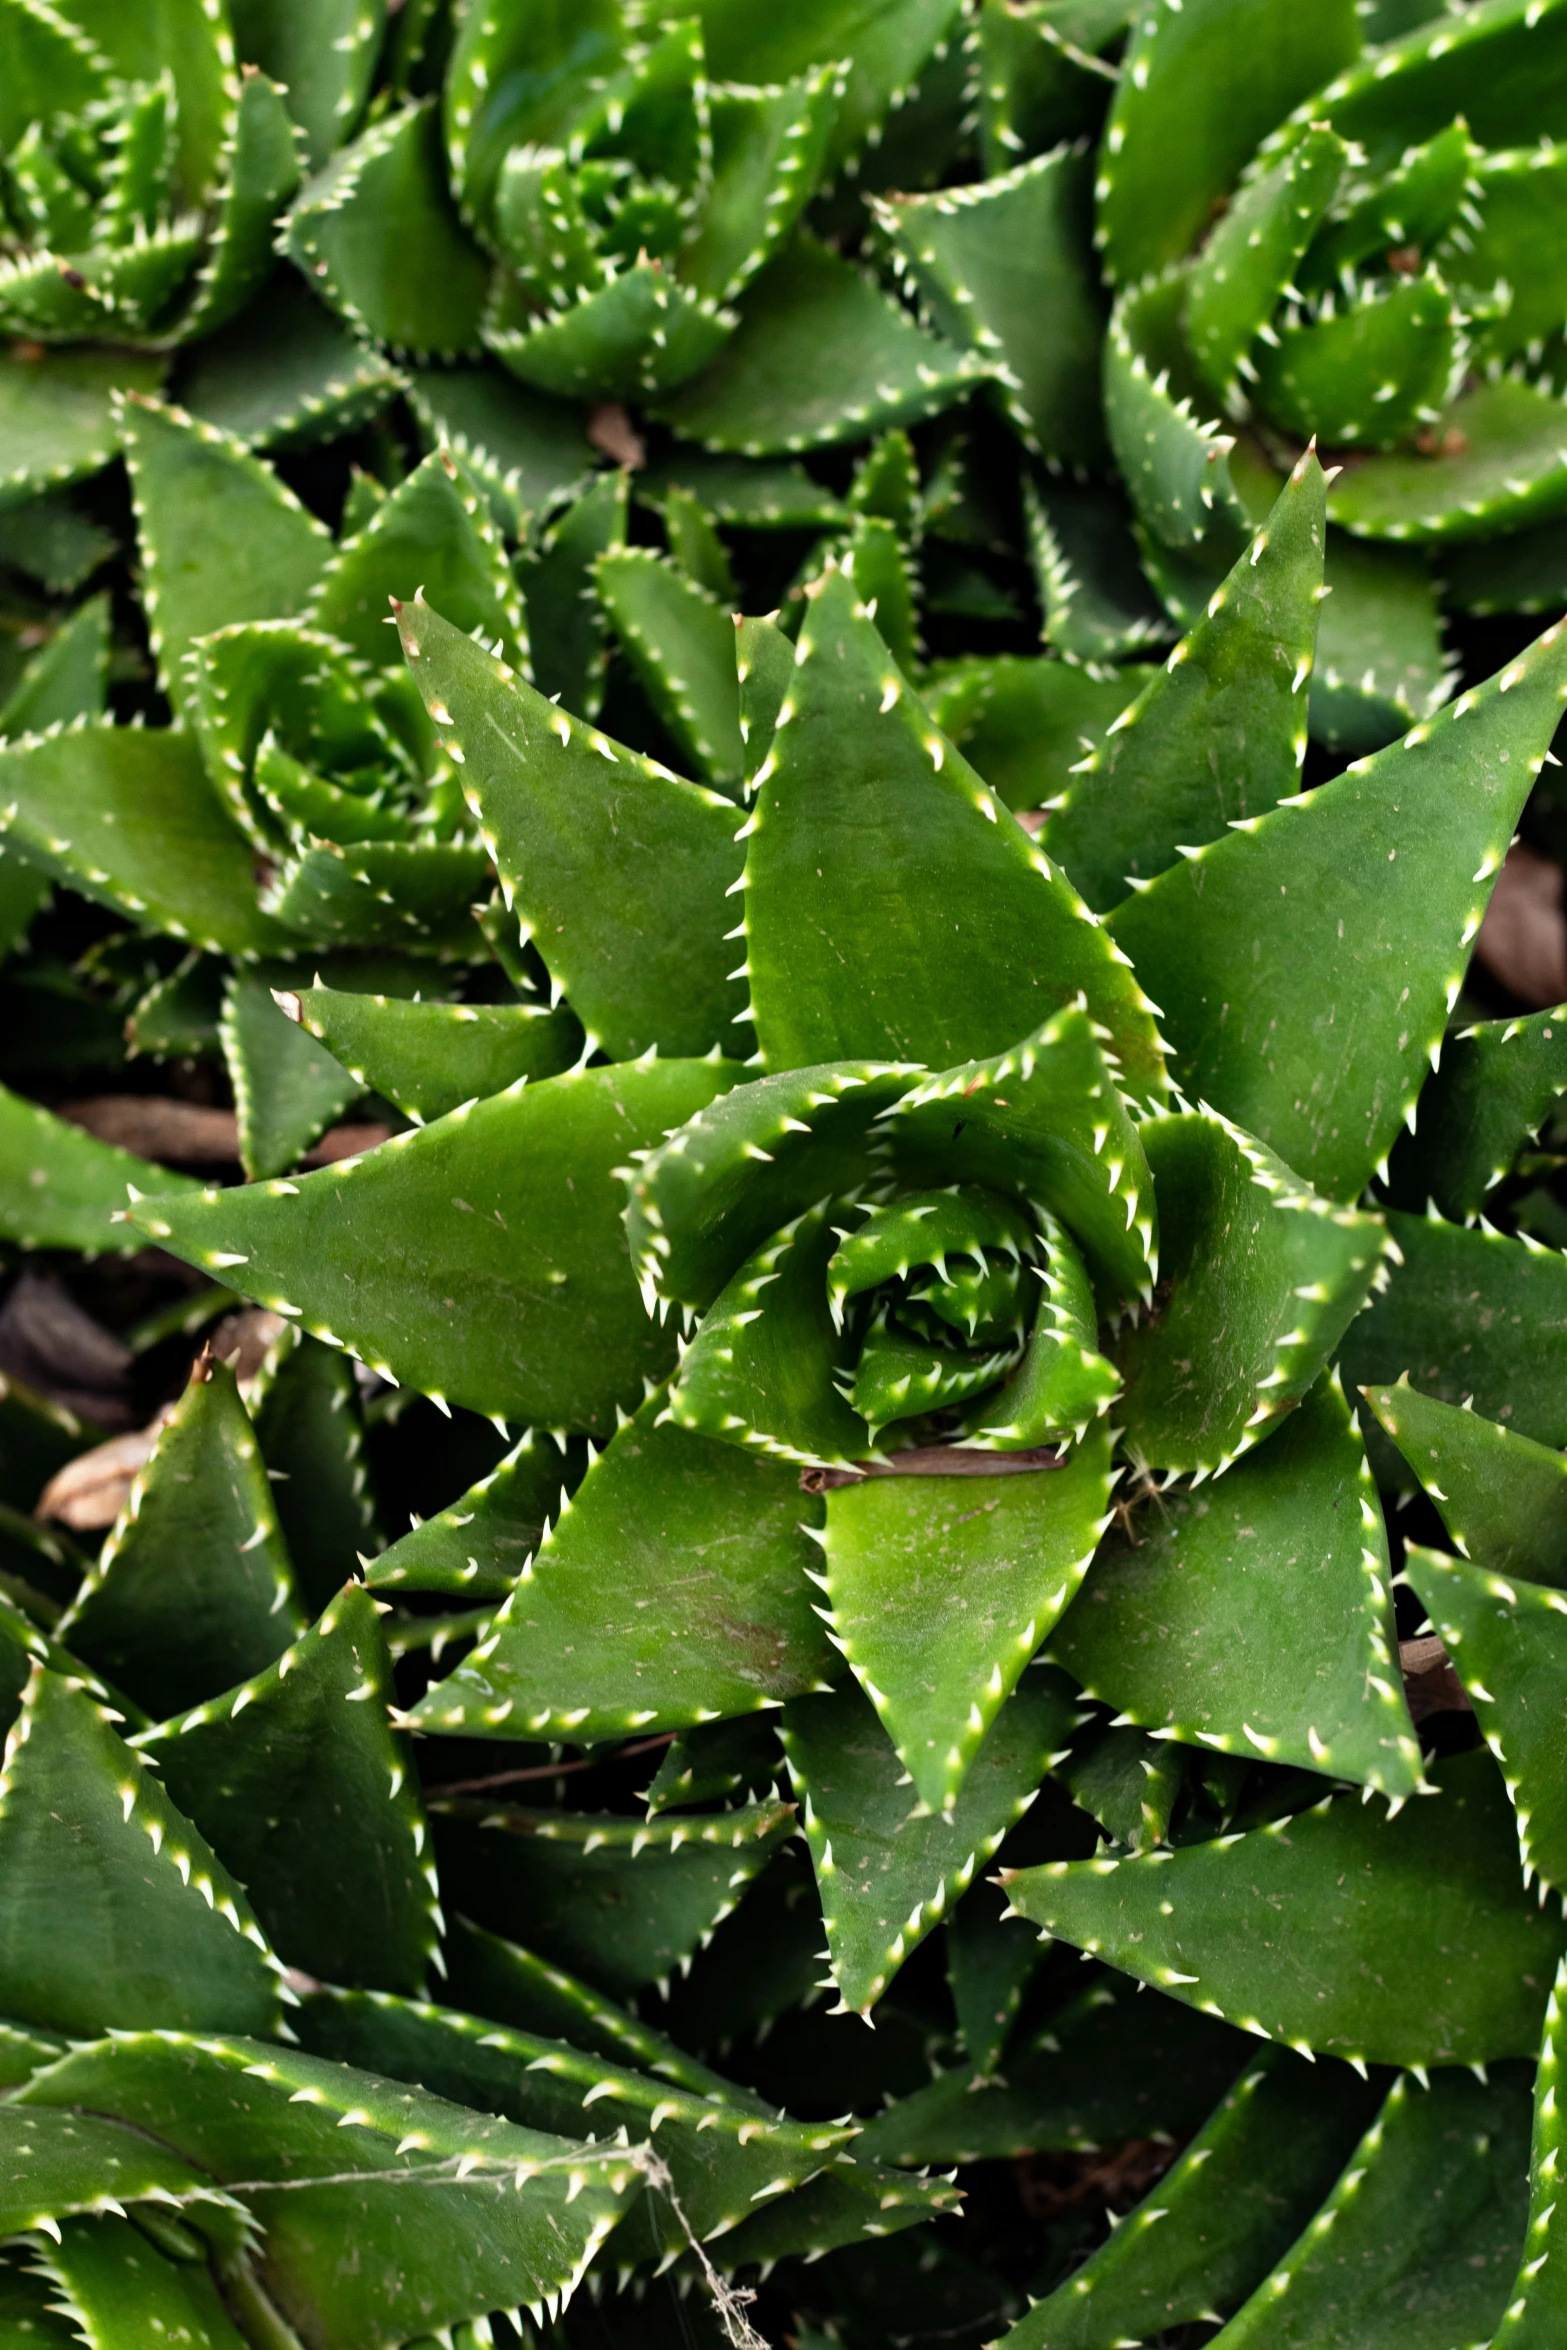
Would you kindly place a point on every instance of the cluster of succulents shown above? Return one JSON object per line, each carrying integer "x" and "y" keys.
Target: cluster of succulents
{"x": 783, "y": 1310}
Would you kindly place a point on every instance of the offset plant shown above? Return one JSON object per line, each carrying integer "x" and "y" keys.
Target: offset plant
{"x": 939, "y": 1248}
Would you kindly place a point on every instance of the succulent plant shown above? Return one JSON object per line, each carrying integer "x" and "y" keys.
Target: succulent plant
{"x": 775, "y": 1246}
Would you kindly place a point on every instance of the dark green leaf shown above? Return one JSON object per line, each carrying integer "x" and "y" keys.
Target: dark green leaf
{"x": 1259, "y": 1280}
{"x": 1023, "y": 724}
{"x": 287, "y": 1089}
{"x": 57, "y": 418}
{"x": 432, "y": 537}
{"x": 821, "y": 355}
{"x": 861, "y": 793}
{"x": 1199, "y": 87}
{"x": 55, "y": 2163}
{"x": 119, "y": 2288}
{"x": 565, "y": 629}
{"x": 1239, "y": 2195}
{"x": 60, "y": 1187}
{"x": 305, "y": 1405}
{"x": 1004, "y": 269}
{"x": 681, "y": 643}
{"x": 1285, "y": 1930}
{"x": 670, "y": 1590}
{"x": 376, "y": 233}
{"x": 1502, "y": 1497}
{"x": 193, "y": 1590}
{"x": 620, "y": 1901}
{"x": 481, "y": 1544}
{"x": 617, "y": 869}
{"x": 1217, "y": 736}
{"x": 1173, "y": 456}
{"x": 1471, "y": 1317}
{"x": 1380, "y": 665}
{"x": 126, "y": 815}
{"x": 942, "y": 1588}
{"x": 1420, "y": 2240}
{"x": 1492, "y": 1089}
{"x": 323, "y": 56}
{"x": 1098, "y": 605}
{"x": 1257, "y": 1616}
{"x": 1328, "y": 370}
{"x": 1501, "y": 465}
{"x": 511, "y": 1206}
{"x": 453, "y": 2214}
{"x": 1248, "y": 263}
{"x": 886, "y": 1871}
{"x": 222, "y": 538}
{"x": 308, "y": 380}
{"x": 526, "y": 450}
{"x": 1375, "y": 884}
{"x": 298, "y": 1781}
{"x": 1128, "y": 1783}
{"x": 430, "y": 1058}
{"x": 116, "y": 1913}
{"x": 68, "y": 679}
{"x": 1106, "y": 2067}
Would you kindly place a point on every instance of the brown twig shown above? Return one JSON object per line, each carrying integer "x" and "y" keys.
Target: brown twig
{"x": 935, "y": 1460}
{"x": 587, "y": 1762}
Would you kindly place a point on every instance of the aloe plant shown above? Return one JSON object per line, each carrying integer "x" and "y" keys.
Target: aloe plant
{"x": 769, "y": 1255}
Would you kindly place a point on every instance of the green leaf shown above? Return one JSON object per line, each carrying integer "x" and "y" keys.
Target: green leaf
{"x": 1199, "y": 87}
{"x": 511, "y": 1206}
{"x": 432, "y": 537}
{"x": 1284, "y": 1930}
{"x": 695, "y": 547}
{"x": 1471, "y": 1317}
{"x": 119, "y": 2289}
{"x": 1040, "y": 79}
{"x": 1380, "y": 666}
{"x": 1502, "y": 1498}
{"x": 1511, "y": 1655}
{"x": 299, "y": 1781}
{"x": 1497, "y": 67}
{"x": 1375, "y": 883}
{"x": 565, "y": 628}
{"x": 990, "y": 1961}
{"x": 734, "y": 1757}
{"x": 763, "y": 1375}
{"x": 260, "y": 173}
{"x": 305, "y": 1405}
{"x": 1023, "y": 724}
{"x": 852, "y": 2201}
{"x": 1413, "y": 202}
{"x": 1239, "y": 2195}
{"x": 308, "y": 380}
{"x": 1501, "y": 467}
{"x": 1493, "y": 1089}
{"x": 68, "y": 679}
{"x": 37, "y": 1437}
{"x": 1219, "y": 734}
{"x": 821, "y": 355}
{"x": 616, "y": 868}
{"x": 287, "y": 1089}
{"x": 126, "y": 816}
{"x": 23, "y": 1645}
{"x": 526, "y": 450}
{"x": 940, "y": 1590}
{"x": 723, "y": 2159}
{"x": 1260, "y": 1278}
{"x": 116, "y": 1914}
{"x": 55, "y": 2164}
{"x": 454, "y": 2213}
{"x": 493, "y": 1977}
{"x": 193, "y": 1590}
{"x": 704, "y": 1199}
{"x": 430, "y": 1058}
{"x": 481, "y": 1544}
{"x": 519, "y": 80}
{"x": 860, "y": 792}
{"x": 1127, "y": 1783}
{"x": 743, "y": 494}
{"x": 1420, "y": 2239}
{"x": 620, "y": 1901}
{"x": 57, "y": 416}
{"x": 1172, "y": 455}
{"x": 323, "y": 56}
{"x": 222, "y": 538}
{"x": 1327, "y": 368}
{"x": 1534, "y": 2307}
{"x": 1248, "y": 263}
{"x": 886, "y": 1871}
{"x": 636, "y": 336}
{"x": 1520, "y": 200}
{"x": 1106, "y": 2067}
{"x": 50, "y": 67}
{"x": 178, "y": 37}
{"x": 1062, "y": 1382}
{"x": 376, "y": 234}
{"x": 670, "y": 1590}
{"x": 60, "y": 1187}
{"x": 681, "y": 642}
{"x": 1004, "y": 270}
{"x": 1060, "y": 1136}
{"x": 381, "y": 893}
{"x": 1097, "y": 603}
{"x": 1257, "y": 1617}
{"x": 768, "y": 149}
